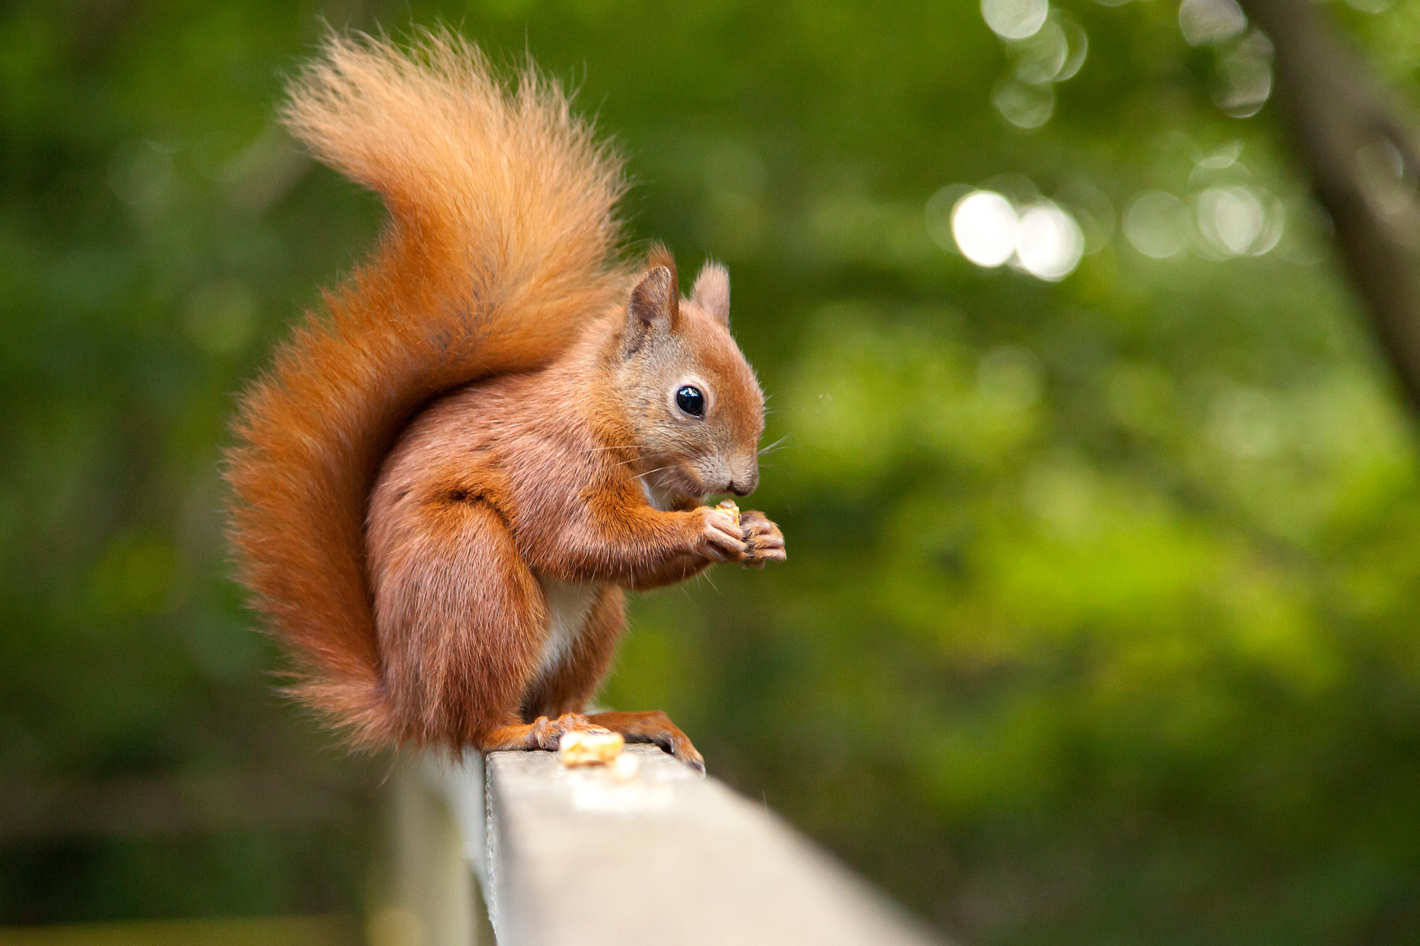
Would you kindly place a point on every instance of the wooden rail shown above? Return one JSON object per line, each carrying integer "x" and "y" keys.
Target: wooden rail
{"x": 576, "y": 856}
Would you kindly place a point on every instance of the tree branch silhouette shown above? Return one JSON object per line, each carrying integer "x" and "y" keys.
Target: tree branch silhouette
{"x": 1358, "y": 146}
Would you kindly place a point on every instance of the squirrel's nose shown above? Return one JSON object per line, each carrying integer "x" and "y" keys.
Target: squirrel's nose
{"x": 745, "y": 480}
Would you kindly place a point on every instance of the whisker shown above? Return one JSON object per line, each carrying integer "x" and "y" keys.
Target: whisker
{"x": 615, "y": 446}
{"x": 618, "y": 446}
{"x": 774, "y": 446}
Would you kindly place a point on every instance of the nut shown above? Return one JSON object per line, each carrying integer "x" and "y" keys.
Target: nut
{"x": 589, "y": 747}
{"x": 731, "y": 507}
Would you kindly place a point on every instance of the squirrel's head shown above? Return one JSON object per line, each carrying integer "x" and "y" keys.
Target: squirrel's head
{"x": 694, "y": 406}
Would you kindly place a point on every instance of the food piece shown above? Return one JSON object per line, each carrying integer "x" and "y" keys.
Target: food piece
{"x": 589, "y": 747}
{"x": 731, "y": 507}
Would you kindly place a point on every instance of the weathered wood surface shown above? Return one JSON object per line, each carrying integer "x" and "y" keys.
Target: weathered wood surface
{"x": 574, "y": 856}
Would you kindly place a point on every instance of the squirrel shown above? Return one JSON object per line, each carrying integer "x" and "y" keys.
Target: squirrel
{"x": 444, "y": 482}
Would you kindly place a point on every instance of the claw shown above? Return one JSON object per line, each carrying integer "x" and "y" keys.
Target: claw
{"x": 763, "y": 540}
{"x": 547, "y": 733}
{"x": 656, "y": 728}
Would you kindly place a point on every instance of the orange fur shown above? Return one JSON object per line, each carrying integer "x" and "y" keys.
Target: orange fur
{"x": 514, "y": 501}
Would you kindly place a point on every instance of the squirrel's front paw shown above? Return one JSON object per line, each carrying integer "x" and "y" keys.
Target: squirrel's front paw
{"x": 547, "y": 733}
{"x": 721, "y": 538}
{"x": 763, "y": 540}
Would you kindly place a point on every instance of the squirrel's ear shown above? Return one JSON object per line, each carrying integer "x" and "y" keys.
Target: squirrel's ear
{"x": 712, "y": 291}
{"x": 655, "y": 302}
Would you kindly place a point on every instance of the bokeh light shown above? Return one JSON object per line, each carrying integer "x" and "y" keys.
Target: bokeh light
{"x": 1014, "y": 19}
{"x": 1023, "y": 105}
{"x": 1042, "y": 238}
{"x": 1210, "y": 21}
{"x": 1049, "y": 243}
{"x": 1231, "y": 219}
{"x": 1154, "y": 224}
{"x": 1042, "y": 57}
{"x": 1245, "y": 76}
{"x": 984, "y": 226}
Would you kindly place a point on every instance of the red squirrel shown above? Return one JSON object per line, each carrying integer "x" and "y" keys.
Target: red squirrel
{"x": 444, "y": 482}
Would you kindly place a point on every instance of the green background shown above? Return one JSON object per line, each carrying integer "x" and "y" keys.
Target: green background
{"x": 1099, "y": 619}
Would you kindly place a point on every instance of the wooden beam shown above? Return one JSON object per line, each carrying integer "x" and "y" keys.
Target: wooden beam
{"x": 576, "y": 856}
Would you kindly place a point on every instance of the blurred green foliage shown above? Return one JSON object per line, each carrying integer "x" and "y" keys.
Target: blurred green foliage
{"x": 1099, "y": 620}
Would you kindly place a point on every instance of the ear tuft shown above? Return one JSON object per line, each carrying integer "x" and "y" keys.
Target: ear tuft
{"x": 712, "y": 291}
{"x": 658, "y": 255}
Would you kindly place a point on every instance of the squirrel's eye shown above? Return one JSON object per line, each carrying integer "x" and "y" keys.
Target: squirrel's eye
{"x": 690, "y": 400}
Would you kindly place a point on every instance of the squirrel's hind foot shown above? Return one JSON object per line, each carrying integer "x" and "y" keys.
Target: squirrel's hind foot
{"x": 655, "y": 727}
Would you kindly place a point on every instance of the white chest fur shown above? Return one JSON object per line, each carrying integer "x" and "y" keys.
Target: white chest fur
{"x": 567, "y": 609}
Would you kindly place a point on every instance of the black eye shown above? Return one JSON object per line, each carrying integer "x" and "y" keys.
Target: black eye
{"x": 690, "y": 400}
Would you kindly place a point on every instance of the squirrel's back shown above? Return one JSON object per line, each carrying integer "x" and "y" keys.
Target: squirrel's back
{"x": 500, "y": 244}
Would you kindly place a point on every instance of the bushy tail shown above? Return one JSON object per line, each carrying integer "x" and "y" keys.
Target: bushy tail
{"x": 500, "y": 244}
